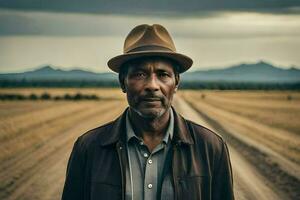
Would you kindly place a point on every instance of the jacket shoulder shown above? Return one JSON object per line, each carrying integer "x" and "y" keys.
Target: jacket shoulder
{"x": 92, "y": 137}
{"x": 209, "y": 142}
{"x": 206, "y": 136}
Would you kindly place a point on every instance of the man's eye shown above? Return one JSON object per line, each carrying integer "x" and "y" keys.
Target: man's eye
{"x": 139, "y": 74}
{"x": 164, "y": 74}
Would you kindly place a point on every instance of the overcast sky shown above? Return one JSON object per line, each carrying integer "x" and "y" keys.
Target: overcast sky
{"x": 79, "y": 35}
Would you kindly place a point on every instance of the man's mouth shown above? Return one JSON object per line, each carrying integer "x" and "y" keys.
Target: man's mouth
{"x": 151, "y": 99}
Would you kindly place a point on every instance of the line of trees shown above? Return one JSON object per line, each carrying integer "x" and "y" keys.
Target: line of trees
{"x": 47, "y": 96}
{"x": 57, "y": 83}
{"x": 239, "y": 85}
{"x": 184, "y": 84}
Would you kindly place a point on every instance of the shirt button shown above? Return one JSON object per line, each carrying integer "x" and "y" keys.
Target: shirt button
{"x": 150, "y": 161}
{"x": 145, "y": 155}
{"x": 141, "y": 143}
{"x": 150, "y": 186}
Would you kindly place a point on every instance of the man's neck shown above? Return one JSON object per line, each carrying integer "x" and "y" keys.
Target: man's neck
{"x": 152, "y": 130}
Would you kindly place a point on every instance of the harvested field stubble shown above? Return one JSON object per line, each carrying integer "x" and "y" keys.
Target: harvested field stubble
{"x": 256, "y": 116}
{"x": 36, "y": 139}
{"x": 263, "y": 126}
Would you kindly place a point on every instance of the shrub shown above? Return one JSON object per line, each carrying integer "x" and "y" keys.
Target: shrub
{"x": 57, "y": 98}
{"x": 33, "y": 97}
{"x": 68, "y": 97}
{"x": 78, "y": 96}
{"x": 45, "y": 96}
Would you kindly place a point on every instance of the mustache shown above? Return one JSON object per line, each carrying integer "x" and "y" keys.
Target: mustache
{"x": 151, "y": 97}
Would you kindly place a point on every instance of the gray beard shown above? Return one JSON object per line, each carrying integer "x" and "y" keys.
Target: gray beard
{"x": 149, "y": 116}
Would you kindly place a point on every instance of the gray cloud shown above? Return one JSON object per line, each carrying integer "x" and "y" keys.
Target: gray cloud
{"x": 59, "y": 24}
{"x": 160, "y": 7}
{"x": 74, "y": 24}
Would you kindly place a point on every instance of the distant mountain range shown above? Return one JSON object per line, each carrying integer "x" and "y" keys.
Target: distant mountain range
{"x": 52, "y": 74}
{"x": 261, "y": 72}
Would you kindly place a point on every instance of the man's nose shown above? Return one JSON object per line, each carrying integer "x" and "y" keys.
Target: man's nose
{"x": 152, "y": 83}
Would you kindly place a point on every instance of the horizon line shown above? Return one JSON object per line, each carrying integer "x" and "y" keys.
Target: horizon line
{"x": 109, "y": 71}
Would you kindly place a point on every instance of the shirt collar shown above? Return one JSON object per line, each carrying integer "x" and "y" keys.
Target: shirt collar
{"x": 169, "y": 133}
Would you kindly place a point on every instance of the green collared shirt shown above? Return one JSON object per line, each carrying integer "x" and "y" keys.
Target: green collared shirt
{"x": 147, "y": 170}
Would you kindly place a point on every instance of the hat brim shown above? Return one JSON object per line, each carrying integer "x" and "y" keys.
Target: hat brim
{"x": 184, "y": 61}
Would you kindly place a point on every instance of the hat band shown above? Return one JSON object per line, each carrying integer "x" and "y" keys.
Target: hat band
{"x": 150, "y": 48}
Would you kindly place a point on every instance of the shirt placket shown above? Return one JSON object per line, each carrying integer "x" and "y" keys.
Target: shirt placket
{"x": 151, "y": 172}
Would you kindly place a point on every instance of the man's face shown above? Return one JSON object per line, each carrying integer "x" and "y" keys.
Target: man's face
{"x": 150, "y": 85}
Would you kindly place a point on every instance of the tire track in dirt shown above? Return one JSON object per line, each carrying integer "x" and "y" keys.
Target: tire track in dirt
{"x": 86, "y": 111}
{"x": 60, "y": 169}
{"x": 15, "y": 126}
{"x": 266, "y": 164}
{"x": 31, "y": 132}
{"x": 57, "y": 146}
{"x": 15, "y": 174}
{"x": 281, "y": 146}
{"x": 218, "y": 102}
{"x": 11, "y": 110}
{"x": 288, "y": 186}
{"x": 248, "y": 183}
{"x": 31, "y": 145}
{"x": 257, "y": 109}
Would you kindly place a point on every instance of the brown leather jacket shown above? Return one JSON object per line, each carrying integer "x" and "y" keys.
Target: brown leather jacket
{"x": 201, "y": 166}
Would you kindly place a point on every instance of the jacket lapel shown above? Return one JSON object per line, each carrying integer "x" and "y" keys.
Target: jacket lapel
{"x": 115, "y": 132}
{"x": 181, "y": 131}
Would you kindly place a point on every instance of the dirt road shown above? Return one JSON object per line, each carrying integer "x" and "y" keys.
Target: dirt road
{"x": 248, "y": 183}
{"x": 36, "y": 140}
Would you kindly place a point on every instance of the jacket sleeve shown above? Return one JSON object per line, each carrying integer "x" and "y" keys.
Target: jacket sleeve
{"x": 222, "y": 183}
{"x": 74, "y": 183}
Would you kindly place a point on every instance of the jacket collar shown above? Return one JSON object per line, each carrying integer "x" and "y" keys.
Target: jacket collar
{"x": 117, "y": 131}
{"x": 182, "y": 133}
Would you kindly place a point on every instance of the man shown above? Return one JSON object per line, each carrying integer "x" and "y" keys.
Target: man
{"x": 150, "y": 151}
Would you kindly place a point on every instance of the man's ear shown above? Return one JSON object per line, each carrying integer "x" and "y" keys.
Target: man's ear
{"x": 123, "y": 89}
{"x": 177, "y": 81}
{"x": 122, "y": 83}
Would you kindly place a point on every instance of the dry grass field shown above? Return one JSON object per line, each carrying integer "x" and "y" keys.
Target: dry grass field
{"x": 36, "y": 137}
{"x": 270, "y": 118}
{"x": 263, "y": 126}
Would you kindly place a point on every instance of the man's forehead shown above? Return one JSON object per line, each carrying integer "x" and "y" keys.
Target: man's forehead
{"x": 151, "y": 61}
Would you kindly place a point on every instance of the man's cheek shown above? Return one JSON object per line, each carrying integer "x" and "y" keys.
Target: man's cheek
{"x": 133, "y": 100}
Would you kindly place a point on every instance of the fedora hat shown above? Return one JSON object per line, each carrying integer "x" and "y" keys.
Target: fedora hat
{"x": 149, "y": 40}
